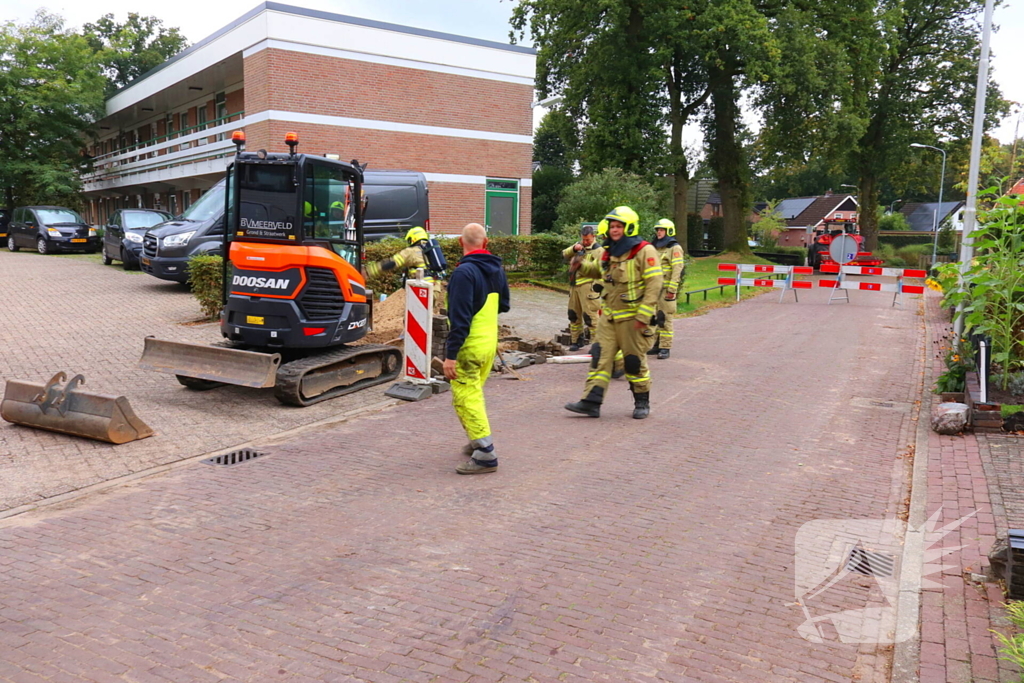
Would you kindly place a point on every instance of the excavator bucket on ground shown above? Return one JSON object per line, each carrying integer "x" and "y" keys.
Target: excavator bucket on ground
{"x": 71, "y": 410}
{"x": 213, "y": 364}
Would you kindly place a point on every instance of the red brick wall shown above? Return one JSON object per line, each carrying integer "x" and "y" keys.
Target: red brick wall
{"x": 235, "y": 101}
{"x": 343, "y": 87}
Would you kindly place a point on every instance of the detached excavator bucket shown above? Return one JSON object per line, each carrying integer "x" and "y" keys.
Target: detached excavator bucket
{"x": 71, "y": 410}
{"x": 211, "y": 363}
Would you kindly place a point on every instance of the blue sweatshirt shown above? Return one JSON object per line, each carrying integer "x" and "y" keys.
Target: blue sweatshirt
{"x": 478, "y": 275}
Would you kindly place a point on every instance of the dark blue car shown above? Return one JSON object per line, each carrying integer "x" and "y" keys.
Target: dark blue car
{"x": 122, "y": 236}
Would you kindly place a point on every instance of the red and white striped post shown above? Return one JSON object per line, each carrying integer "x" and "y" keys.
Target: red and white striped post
{"x": 898, "y": 288}
{"x": 790, "y": 283}
{"x": 419, "y": 329}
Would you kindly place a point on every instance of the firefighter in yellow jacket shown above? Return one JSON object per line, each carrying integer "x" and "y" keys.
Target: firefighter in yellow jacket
{"x": 410, "y": 260}
{"x": 584, "y": 302}
{"x": 631, "y": 279}
{"x": 673, "y": 265}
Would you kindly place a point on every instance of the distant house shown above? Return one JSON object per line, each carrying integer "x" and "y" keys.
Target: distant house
{"x": 1018, "y": 187}
{"x": 804, "y": 215}
{"x": 922, "y": 215}
{"x": 713, "y": 208}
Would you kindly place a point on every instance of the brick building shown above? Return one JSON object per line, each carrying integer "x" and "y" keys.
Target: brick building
{"x": 454, "y": 108}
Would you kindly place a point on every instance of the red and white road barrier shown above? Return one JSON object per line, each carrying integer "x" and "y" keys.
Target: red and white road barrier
{"x": 898, "y": 288}
{"x": 789, "y": 283}
{"x": 419, "y": 329}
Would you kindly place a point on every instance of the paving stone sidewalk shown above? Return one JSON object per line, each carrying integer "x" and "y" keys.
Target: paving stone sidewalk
{"x": 72, "y": 314}
{"x": 965, "y": 475}
{"x": 602, "y": 550}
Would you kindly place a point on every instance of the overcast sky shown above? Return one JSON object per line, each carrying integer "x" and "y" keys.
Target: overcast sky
{"x": 477, "y": 18}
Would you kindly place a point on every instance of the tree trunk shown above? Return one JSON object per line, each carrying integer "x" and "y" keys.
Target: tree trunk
{"x": 728, "y": 159}
{"x": 680, "y": 210}
{"x": 868, "y": 191}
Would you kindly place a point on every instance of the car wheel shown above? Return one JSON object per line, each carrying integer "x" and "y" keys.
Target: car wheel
{"x": 106, "y": 259}
{"x": 11, "y": 246}
{"x": 41, "y": 246}
{"x": 128, "y": 262}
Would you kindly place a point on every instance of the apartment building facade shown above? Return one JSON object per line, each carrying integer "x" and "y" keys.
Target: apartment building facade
{"x": 396, "y": 97}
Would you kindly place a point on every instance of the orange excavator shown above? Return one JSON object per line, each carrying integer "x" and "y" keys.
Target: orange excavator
{"x": 294, "y": 297}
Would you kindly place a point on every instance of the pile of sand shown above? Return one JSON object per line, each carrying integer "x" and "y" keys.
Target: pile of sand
{"x": 388, "y": 319}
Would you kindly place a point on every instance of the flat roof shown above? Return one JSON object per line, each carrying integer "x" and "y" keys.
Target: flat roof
{"x": 327, "y": 16}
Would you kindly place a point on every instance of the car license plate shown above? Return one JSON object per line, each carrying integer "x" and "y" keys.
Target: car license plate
{"x": 145, "y": 261}
{"x": 254, "y": 319}
{"x": 79, "y": 240}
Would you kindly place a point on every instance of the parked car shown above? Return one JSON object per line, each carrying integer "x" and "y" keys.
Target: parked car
{"x": 5, "y": 219}
{"x": 51, "y": 229}
{"x": 166, "y": 248}
{"x": 124, "y": 232}
{"x": 396, "y": 201}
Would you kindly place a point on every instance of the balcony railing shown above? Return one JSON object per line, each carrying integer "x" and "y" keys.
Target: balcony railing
{"x": 205, "y": 140}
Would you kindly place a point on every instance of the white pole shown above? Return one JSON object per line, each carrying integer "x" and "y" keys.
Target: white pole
{"x": 970, "y": 212}
{"x": 942, "y": 181}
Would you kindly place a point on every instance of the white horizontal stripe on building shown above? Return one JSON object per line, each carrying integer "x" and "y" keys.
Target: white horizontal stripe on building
{"x": 468, "y": 179}
{"x": 390, "y": 126}
{"x": 383, "y": 59}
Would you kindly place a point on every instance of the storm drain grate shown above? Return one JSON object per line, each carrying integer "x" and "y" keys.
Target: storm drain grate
{"x": 883, "y": 404}
{"x": 870, "y": 563}
{"x": 234, "y": 457}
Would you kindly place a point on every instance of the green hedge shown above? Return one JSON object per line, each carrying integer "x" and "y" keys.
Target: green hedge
{"x": 694, "y": 231}
{"x": 898, "y": 241}
{"x": 206, "y": 278}
{"x": 520, "y": 253}
{"x": 716, "y": 233}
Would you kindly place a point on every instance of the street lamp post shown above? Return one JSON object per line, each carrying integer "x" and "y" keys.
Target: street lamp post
{"x": 894, "y": 204}
{"x": 942, "y": 181}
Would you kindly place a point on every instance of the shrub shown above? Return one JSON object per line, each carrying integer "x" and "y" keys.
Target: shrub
{"x": 795, "y": 251}
{"x": 694, "y": 231}
{"x": 893, "y": 221}
{"x": 590, "y": 198}
{"x": 716, "y": 233}
{"x": 767, "y": 230}
{"x": 206, "y": 278}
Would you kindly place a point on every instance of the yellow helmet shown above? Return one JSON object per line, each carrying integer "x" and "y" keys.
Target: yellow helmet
{"x": 338, "y": 205}
{"x": 307, "y": 210}
{"x": 668, "y": 226}
{"x": 416, "y": 234}
{"x": 602, "y": 228}
{"x": 628, "y": 217}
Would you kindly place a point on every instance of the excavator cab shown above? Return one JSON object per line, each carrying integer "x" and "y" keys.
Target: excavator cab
{"x": 294, "y": 297}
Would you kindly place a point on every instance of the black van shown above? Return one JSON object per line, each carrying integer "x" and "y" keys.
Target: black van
{"x": 396, "y": 201}
{"x": 5, "y": 218}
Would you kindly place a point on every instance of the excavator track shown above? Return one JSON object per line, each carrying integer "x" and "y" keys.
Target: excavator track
{"x": 324, "y": 376}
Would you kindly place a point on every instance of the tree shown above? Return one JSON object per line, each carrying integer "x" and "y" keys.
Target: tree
{"x": 768, "y": 227}
{"x": 591, "y": 197}
{"x": 554, "y": 147}
{"x": 51, "y": 92}
{"x": 130, "y": 49}
{"x": 893, "y": 221}
{"x": 624, "y": 74}
{"x": 898, "y": 71}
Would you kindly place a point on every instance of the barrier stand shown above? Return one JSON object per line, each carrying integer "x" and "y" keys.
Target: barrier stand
{"x": 898, "y": 288}
{"x": 419, "y": 331}
{"x": 788, "y": 283}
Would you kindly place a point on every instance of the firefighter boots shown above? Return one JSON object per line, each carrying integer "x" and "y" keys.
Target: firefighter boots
{"x": 641, "y": 405}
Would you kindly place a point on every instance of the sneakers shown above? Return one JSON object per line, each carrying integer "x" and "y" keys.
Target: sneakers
{"x": 585, "y": 407}
{"x": 662, "y": 354}
{"x": 472, "y": 466}
{"x": 641, "y": 405}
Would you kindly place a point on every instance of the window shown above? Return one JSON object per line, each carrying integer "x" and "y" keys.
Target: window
{"x": 184, "y": 129}
{"x": 221, "y": 113}
{"x": 267, "y": 201}
{"x": 328, "y": 212}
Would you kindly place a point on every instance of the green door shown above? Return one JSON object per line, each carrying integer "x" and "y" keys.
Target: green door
{"x": 502, "y": 206}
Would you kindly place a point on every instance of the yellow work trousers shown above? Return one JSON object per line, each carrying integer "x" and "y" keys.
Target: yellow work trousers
{"x": 612, "y": 337}
{"x": 666, "y": 312}
{"x": 584, "y": 304}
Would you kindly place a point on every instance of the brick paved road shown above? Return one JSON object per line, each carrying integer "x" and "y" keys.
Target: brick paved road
{"x": 72, "y": 314}
{"x": 603, "y": 550}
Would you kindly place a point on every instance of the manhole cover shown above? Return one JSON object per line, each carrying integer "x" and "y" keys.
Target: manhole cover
{"x": 883, "y": 404}
{"x": 234, "y": 457}
{"x": 870, "y": 563}
{"x": 874, "y": 403}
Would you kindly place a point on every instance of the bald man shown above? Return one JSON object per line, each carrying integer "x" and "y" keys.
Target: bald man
{"x": 477, "y": 292}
